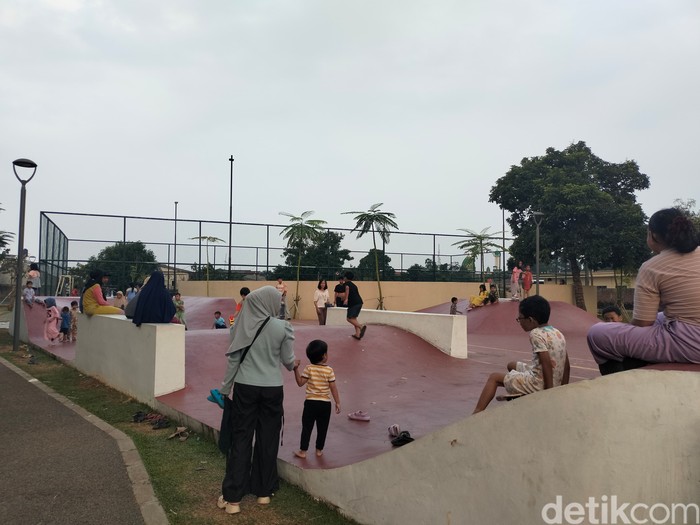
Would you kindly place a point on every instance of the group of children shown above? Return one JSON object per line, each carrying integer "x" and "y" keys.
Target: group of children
{"x": 60, "y": 327}
{"x": 220, "y": 322}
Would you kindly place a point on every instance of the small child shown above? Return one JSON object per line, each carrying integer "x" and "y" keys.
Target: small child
{"x": 65, "y": 325}
{"x": 478, "y": 300}
{"x": 526, "y": 278}
{"x": 52, "y": 323}
{"x": 219, "y": 321}
{"x": 492, "y": 296}
{"x": 319, "y": 379}
{"x": 244, "y": 293}
{"x": 550, "y": 362}
{"x": 74, "y": 311}
{"x": 612, "y": 314}
{"x": 453, "y": 307}
{"x": 28, "y": 294}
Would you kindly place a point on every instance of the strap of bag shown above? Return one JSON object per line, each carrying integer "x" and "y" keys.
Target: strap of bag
{"x": 245, "y": 350}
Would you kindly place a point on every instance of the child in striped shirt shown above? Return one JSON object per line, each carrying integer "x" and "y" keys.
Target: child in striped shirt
{"x": 319, "y": 379}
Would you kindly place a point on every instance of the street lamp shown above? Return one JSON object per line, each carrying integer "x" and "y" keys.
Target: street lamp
{"x": 537, "y": 217}
{"x": 175, "y": 253}
{"x": 230, "y": 219}
{"x": 30, "y": 164}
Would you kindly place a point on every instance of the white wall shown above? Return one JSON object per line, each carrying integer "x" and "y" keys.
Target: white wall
{"x": 144, "y": 362}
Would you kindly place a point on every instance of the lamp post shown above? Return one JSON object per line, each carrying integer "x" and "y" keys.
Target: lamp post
{"x": 537, "y": 217}
{"x": 30, "y": 164}
{"x": 175, "y": 253}
{"x": 230, "y": 218}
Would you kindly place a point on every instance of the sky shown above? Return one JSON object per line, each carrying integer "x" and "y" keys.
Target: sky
{"x": 129, "y": 106}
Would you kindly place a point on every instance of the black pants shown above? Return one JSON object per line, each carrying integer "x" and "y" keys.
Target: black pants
{"x": 318, "y": 413}
{"x": 257, "y": 412}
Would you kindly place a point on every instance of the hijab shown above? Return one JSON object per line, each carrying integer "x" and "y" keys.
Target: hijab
{"x": 95, "y": 277}
{"x": 154, "y": 304}
{"x": 50, "y": 302}
{"x": 258, "y": 306}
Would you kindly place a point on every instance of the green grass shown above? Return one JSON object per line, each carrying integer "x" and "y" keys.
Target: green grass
{"x": 186, "y": 475}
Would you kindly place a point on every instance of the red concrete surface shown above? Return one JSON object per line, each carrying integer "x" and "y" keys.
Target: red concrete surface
{"x": 393, "y": 375}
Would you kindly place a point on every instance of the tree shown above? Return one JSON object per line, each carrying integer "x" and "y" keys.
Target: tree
{"x": 5, "y": 238}
{"x": 586, "y": 202}
{"x": 367, "y": 269}
{"x": 688, "y": 206}
{"x": 208, "y": 239}
{"x": 126, "y": 262}
{"x": 299, "y": 234}
{"x": 476, "y": 244}
{"x": 378, "y": 222}
{"x": 324, "y": 259}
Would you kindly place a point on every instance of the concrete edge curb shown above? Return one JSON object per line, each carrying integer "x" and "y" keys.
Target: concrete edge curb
{"x": 151, "y": 509}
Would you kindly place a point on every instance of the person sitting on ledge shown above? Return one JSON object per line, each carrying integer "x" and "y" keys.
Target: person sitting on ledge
{"x": 669, "y": 282}
{"x": 154, "y": 304}
{"x": 478, "y": 300}
{"x": 92, "y": 302}
{"x": 550, "y": 361}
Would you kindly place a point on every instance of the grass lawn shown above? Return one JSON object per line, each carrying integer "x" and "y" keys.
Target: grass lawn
{"x": 186, "y": 475}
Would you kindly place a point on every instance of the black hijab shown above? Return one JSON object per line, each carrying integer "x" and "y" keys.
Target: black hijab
{"x": 154, "y": 304}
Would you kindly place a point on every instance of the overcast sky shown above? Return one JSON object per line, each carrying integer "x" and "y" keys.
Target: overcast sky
{"x": 128, "y": 106}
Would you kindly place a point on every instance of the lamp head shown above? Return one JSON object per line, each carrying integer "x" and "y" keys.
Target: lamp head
{"x": 24, "y": 163}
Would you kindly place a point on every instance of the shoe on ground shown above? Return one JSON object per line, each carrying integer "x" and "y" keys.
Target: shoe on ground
{"x": 229, "y": 508}
{"x": 359, "y": 416}
{"x": 264, "y": 500}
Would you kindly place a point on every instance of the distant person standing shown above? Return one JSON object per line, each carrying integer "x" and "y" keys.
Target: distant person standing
{"x": 34, "y": 275}
{"x": 131, "y": 292}
{"x": 282, "y": 289}
{"x": 179, "y": 309}
{"x": 339, "y": 292}
{"x": 321, "y": 301}
{"x": 243, "y": 293}
{"x": 527, "y": 281}
{"x": 515, "y": 282}
{"x": 353, "y": 302}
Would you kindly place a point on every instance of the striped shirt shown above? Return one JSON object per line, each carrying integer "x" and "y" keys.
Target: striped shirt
{"x": 318, "y": 384}
{"x": 669, "y": 281}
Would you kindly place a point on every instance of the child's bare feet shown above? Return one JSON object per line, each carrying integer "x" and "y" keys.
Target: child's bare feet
{"x": 300, "y": 454}
{"x": 319, "y": 453}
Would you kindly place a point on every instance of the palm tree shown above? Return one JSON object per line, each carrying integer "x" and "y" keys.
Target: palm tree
{"x": 476, "y": 243}
{"x": 299, "y": 234}
{"x": 209, "y": 239}
{"x": 5, "y": 237}
{"x": 378, "y": 222}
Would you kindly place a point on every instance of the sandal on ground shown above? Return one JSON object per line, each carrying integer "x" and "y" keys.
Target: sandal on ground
{"x": 216, "y": 397}
{"x": 394, "y": 430}
{"x": 355, "y": 337}
{"x": 402, "y": 439}
{"x": 163, "y": 422}
{"x": 359, "y": 416}
{"x": 509, "y": 397}
{"x": 181, "y": 433}
{"x": 363, "y": 330}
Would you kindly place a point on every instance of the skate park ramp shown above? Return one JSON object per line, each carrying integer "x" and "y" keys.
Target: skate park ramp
{"x": 591, "y": 438}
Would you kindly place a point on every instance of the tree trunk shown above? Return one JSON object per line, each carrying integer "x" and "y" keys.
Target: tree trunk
{"x": 380, "y": 306}
{"x": 578, "y": 286}
{"x": 295, "y": 302}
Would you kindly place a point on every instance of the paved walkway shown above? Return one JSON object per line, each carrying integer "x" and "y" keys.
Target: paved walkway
{"x": 63, "y": 465}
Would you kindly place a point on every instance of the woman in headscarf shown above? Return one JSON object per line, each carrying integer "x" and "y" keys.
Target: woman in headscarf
{"x": 260, "y": 343}
{"x": 92, "y": 302}
{"x": 154, "y": 304}
{"x": 52, "y": 323}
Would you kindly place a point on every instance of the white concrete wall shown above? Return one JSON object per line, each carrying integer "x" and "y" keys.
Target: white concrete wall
{"x": 632, "y": 435}
{"x": 446, "y": 332}
{"x": 143, "y": 362}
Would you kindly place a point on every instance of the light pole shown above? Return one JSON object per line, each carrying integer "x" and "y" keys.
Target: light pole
{"x": 230, "y": 218}
{"x": 175, "y": 253}
{"x": 537, "y": 217}
{"x": 22, "y": 163}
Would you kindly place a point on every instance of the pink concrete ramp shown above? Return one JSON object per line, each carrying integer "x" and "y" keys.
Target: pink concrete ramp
{"x": 391, "y": 374}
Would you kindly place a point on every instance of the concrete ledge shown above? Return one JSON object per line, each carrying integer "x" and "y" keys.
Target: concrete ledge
{"x": 143, "y": 362}
{"x": 446, "y": 332}
{"x": 631, "y": 435}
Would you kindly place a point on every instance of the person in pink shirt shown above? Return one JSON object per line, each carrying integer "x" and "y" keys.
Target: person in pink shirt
{"x": 665, "y": 325}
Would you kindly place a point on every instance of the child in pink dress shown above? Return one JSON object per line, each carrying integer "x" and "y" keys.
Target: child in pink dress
{"x": 52, "y": 323}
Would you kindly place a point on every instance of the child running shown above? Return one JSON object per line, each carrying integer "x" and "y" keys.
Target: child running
{"x": 550, "y": 362}
{"x": 65, "y": 325}
{"x": 319, "y": 379}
